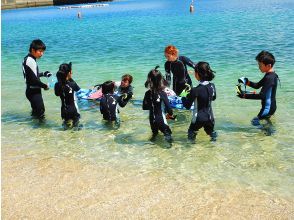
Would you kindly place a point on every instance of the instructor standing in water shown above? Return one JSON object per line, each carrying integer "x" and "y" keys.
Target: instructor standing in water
{"x": 177, "y": 67}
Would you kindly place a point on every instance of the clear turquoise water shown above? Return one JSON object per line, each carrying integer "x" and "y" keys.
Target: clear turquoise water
{"x": 129, "y": 37}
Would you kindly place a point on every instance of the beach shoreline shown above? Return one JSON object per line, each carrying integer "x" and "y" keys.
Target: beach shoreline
{"x": 62, "y": 187}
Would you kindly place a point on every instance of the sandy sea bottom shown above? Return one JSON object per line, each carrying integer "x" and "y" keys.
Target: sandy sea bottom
{"x": 51, "y": 187}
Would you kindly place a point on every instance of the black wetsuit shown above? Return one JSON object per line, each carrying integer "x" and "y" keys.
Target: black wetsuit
{"x": 69, "y": 107}
{"x": 202, "y": 96}
{"x": 33, "y": 91}
{"x": 157, "y": 103}
{"x": 179, "y": 71}
{"x": 109, "y": 108}
{"x": 127, "y": 90}
{"x": 267, "y": 94}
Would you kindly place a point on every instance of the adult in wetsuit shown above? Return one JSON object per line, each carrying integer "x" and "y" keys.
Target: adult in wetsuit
{"x": 177, "y": 67}
{"x": 65, "y": 88}
{"x": 32, "y": 78}
{"x": 268, "y": 85}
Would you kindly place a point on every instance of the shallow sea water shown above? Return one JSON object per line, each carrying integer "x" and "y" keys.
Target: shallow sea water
{"x": 105, "y": 173}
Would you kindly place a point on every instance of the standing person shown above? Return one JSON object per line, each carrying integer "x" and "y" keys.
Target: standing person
{"x": 202, "y": 96}
{"x": 65, "y": 88}
{"x": 268, "y": 85}
{"x": 177, "y": 66}
{"x": 109, "y": 101}
{"x": 155, "y": 100}
{"x": 32, "y": 78}
{"x": 192, "y": 6}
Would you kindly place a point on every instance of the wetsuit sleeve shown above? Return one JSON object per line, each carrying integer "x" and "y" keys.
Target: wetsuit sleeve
{"x": 31, "y": 73}
{"x": 213, "y": 92}
{"x": 188, "y": 101}
{"x": 267, "y": 85}
{"x": 167, "y": 67}
{"x": 101, "y": 105}
{"x": 129, "y": 93}
{"x": 146, "y": 101}
{"x": 74, "y": 85}
{"x": 187, "y": 61}
{"x": 121, "y": 102}
{"x": 256, "y": 85}
{"x": 57, "y": 89}
{"x": 166, "y": 103}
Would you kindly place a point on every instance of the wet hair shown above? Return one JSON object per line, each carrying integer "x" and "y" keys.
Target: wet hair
{"x": 63, "y": 71}
{"x": 155, "y": 80}
{"x": 204, "y": 71}
{"x": 266, "y": 58}
{"x": 37, "y": 45}
{"x": 127, "y": 77}
{"x": 170, "y": 49}
{"x": 108, "y": 87}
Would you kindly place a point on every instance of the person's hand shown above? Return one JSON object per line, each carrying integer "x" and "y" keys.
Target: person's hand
{"x": 124, "y": 96}
{"x": 187, "y": 87}
{"x": 172, "y": 117}
{"x": 186, "y": 91}
{"x": 241, "y": 95}
{"x": 47, "y": 74}
{"x": 243, "y": 80}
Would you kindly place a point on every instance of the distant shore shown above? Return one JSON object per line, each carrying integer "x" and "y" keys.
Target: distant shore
{"x": 13, "y": 4}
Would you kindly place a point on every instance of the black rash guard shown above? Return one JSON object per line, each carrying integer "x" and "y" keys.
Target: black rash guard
{"x": 179, "y": 72}
{"x": 201, "y": 96}
{"x": 109, "y": 108}
{"x": 267, "y": 94}
{"x": 157, "y": 103}
{"x": 69, "y": 107}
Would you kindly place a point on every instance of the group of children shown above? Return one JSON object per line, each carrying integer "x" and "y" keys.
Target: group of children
{"x": 156, "y": 97}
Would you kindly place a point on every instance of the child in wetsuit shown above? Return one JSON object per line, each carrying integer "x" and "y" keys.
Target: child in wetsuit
{"x": 109, "y": 101}
{"x": 125, "y": 88}
{"x": 202, "y": 96}
{"x": 155, "y": 100}
{"x": 65, "y": 88}
{"x": 32, "y": 78}
{"x": 268, "y": 85}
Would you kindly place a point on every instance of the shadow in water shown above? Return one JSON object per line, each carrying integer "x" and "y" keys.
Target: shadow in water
{"x": 134, "y": 140}
{"x": 18, "y": 118}
{"x": 266, "y": 126}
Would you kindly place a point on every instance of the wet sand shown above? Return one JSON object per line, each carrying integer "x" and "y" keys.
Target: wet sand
{"x": 59, "y": 188}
